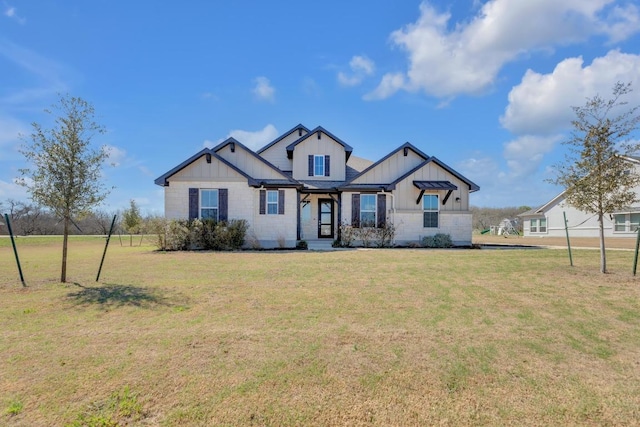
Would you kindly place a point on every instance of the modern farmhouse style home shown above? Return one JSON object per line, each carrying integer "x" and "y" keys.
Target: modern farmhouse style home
{"x": 306, "y": 183}
{"x": 548, "y": 219}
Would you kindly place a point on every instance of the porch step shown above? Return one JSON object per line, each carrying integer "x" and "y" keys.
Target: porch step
{"x": 320, "y": 245}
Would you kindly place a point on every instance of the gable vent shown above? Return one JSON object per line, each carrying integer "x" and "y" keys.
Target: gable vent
{"x": 406, "y": 151}
{"x": 233, "y": 147}
{"x": 208, "y": 156}
{"x": 299, "y": 132}
{"x": 318, "y": 134}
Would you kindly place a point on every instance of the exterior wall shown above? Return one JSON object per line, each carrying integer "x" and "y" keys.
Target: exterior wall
{"x": 391, "y": 169}
{"x": 200, "y": 170}
{"x": 277, "y": 153}
{"x": 581, "y": 224}
{"x": 248, "y": 163}
{"x": 409, "y": 222}
{"x": 456, "y": 224}
{"x": 267, "y": 231}
{"x": 323, "y": 146}
{"x": 406, "y": 193}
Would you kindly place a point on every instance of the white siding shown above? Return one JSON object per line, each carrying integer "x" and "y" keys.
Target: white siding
{"x": 391, "y": 169}
{"x": 248, "y": 163}
{"x": 277, "y": 153}
{"x": 323, "y": 146}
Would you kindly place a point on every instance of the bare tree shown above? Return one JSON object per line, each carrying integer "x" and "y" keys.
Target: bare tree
{"x": 597, "y": 177}
{"x": 65, "y": 169}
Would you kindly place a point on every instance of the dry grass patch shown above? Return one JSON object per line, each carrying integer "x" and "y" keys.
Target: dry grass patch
{"x": 378, "y": 337}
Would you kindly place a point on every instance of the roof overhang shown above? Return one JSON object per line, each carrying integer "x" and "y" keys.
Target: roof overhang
{"x": 434, "y": 185}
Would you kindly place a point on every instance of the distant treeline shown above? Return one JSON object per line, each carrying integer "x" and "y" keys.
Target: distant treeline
{"x": 29, "y": 219}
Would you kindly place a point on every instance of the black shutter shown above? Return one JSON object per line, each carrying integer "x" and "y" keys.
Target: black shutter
{"x": 327, "y": 167}
{"x": 355, "y": 210}
{"x": 223, "y": 204}
{"x": 310, "y": 164}
{"x": 193, "y": 203}
{"x": 382, "y": 210}
{"x": 280, "y": 202}
{"x": 263, "y": 202}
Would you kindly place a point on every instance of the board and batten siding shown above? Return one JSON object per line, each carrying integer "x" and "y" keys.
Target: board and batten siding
{"x": 323, "y": 146}
{"x": 277, "y": 153}
{"x": 248, "y": 163}
{"x": 407, "y": 194}
{"x": 390, "y": 169}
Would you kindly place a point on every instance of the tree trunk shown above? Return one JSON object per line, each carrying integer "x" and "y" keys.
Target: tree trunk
{"x": 65, "y": 237}
{"x": 603, "y": 256}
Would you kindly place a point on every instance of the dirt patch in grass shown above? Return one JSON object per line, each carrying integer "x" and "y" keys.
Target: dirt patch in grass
{"x": 378, "y": 337}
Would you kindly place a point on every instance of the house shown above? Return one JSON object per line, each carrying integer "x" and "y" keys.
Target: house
{"x": 548, "y": 219}
{"x": 306, "y": 183}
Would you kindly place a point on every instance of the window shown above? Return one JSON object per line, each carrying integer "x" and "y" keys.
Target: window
{"x": 367, "y": 210}
{"x": 306, "y": 211}
{"x": 634, "y": 222}
{"x": 543, "y": 225}
{"x": 209, "y": 204}
{"x": 627, "y": 222}
{"x": 272, "y": 202}
{"x": 538, "y": 225}
{"x": 318, "y": 165}
{"x": 430, "y": 206}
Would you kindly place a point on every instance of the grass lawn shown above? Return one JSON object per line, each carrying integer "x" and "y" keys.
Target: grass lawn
{"x": 362, "y": 337}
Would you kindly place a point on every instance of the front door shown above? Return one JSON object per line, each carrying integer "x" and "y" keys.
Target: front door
{"x": 325, "y": 218}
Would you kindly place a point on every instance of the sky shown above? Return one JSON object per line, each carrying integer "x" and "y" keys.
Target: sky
{"x": 485, "y": 86}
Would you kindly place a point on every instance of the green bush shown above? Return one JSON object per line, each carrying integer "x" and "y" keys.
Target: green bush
{"x": 197, "y": 234}
{"x": 440, "y": 240}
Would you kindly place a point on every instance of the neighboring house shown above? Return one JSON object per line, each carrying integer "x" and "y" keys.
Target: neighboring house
{"x": 306, "y": 183}
{"x": 548, "y": 219}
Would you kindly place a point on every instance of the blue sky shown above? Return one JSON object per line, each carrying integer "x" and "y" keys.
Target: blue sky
{"x": 485, "y": 86}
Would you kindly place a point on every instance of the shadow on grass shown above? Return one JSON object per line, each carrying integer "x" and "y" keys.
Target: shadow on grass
{"x": 112, "y": 295}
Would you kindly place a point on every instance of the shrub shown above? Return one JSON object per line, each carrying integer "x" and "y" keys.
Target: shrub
{"x": 302, "y": 244}
{"x": 207, "y": 234}
{"x": 440, "y": 240}
{"x": 347, "y": 235}
{"x": 385, "y": 235}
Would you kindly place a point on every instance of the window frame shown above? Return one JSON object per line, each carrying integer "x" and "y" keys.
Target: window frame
{"x": 430, "y": 210}
{"x": 627, "y": 225}
{"x": 367, "y": 224}
{"x": 215, "y": 207}
{"x": 270, "y": 203}
{"x": 317, "y": 165}
{"x": 542, "y": 225}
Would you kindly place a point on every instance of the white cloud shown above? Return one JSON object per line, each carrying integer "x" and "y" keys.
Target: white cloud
{"x": 254, "y": 140}
{"x": 263, "y": 89}
{"x": 10, "y": 130}
{"x": 524, "y": 154}
{"x": 116, "y": 155}
{"x": 51, "y": 76}
{"x": 447, "y": 59}
{"x": 11, "y": 190}
{"x": 541, "y": 103}
{"x": 361, "y": 67}
{"x": 12, "y": 12}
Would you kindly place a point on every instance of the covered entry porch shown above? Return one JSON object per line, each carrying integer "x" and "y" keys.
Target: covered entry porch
{"x": 319, "y": 216}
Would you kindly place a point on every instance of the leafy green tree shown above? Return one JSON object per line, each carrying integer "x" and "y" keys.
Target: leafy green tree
{"x": 131, "y": 220}
{"x": 596, "y": 174}
{"x": 65, "y": 172}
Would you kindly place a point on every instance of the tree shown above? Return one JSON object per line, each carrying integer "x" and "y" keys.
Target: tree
{"x": 597, "y": 177}
{"x": 65, "y": 174}
{"x": 131, "y": 220}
